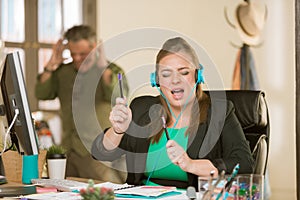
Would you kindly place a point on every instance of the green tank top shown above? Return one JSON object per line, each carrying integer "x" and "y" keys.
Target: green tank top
{"x": 158, "y": 164}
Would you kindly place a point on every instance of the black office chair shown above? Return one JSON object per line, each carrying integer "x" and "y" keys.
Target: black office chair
{"x": 252, "y": 111}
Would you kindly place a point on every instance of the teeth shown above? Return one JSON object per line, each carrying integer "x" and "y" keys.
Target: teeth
{"x": 176, "y": 91}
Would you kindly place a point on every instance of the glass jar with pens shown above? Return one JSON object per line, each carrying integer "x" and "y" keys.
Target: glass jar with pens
{"x": 242, "y": 187}
{"x": 250, "y": 186}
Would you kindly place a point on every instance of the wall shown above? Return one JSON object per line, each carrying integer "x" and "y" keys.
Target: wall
{"x": 204, "y": 23}
{"x": 277, "y": 61}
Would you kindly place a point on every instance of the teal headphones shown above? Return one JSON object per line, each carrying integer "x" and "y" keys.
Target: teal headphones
{"x": 198, "y": 77}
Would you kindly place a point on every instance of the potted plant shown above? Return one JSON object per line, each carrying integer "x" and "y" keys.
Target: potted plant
{"x": 96, "y": 193}
{"x": 56, "y": 161}
{"x": 56, "y": 151}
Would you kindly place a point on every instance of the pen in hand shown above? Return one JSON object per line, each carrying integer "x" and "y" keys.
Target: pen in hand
{"x": 165, "y": 127}
{"x": 120, "y": 84}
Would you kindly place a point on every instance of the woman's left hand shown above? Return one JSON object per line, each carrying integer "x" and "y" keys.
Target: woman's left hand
{"x": 178, "y": 156}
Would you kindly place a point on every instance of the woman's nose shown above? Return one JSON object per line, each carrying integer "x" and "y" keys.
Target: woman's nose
{"x": 176, "y": 78}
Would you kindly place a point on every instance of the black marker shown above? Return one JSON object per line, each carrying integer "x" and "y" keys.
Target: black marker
{"x": 165, "y": 127}
{"x": 120, "y": 84}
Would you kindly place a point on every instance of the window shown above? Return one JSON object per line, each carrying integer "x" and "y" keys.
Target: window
{"x": 12, "y": 20}
{"x": 52, "y": 20}
{"x": 33, "y": 26}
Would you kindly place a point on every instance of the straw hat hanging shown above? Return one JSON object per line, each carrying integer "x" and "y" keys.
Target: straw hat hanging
{"x": 250, "y": 19}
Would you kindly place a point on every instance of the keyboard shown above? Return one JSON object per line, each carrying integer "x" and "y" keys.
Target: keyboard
{"x": 64, "y": 185}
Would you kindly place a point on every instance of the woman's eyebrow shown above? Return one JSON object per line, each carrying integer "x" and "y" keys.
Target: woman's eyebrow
{"x": 183, "y": 68}
{"x": 179, "y": 69}
{"x": 166, "y": 69}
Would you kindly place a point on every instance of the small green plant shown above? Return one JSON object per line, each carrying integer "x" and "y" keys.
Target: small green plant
{"x": 56, "y": 150}
{"x": 96, "y": 193}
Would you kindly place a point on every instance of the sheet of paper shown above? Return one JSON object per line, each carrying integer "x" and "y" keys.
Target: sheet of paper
{"x": 114, "y": 186}
{"x": 53, "y": 195}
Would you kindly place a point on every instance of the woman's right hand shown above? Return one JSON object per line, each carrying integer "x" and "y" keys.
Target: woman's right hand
{"x": 120, "y": 116}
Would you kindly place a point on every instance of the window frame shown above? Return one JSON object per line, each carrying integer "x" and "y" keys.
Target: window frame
{"x": 31, "y": 45}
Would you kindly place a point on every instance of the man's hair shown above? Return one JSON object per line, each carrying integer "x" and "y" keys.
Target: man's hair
{"x": 81, "y": 32}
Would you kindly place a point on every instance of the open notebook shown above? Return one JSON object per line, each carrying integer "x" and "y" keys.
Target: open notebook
{"x": 146, "y": 192}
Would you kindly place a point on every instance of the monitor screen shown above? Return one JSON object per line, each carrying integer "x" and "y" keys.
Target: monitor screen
{"x": 15, "y": 99}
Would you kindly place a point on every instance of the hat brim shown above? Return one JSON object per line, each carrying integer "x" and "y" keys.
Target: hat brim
{"x": 247, "y": 39}
{"x": 242, "y": 31}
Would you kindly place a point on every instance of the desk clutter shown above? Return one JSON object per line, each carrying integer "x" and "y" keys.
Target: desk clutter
{"x": 242, "y": 187}
{"x": 71, "y": 190}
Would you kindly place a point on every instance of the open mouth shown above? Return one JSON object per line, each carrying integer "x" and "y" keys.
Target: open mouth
{"x": 177, "y": 93}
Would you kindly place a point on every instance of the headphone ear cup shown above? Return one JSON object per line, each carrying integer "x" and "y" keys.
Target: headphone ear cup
{"x": 154, "y": 79}
{"x": 199, "y": 76}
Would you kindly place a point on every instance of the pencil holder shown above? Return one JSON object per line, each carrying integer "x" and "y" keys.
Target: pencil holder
{"x": 250, "y": 186}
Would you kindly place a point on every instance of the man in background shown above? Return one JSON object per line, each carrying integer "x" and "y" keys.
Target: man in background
{"x": 58, "y": 80}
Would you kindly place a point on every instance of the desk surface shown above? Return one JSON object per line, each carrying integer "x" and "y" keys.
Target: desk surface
{"x": 181, "y": 196}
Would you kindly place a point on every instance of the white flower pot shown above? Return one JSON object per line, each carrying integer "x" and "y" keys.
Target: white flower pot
{"x": 56, "y": 167}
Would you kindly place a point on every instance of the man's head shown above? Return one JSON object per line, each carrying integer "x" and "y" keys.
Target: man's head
{"x": 81, "y": 41}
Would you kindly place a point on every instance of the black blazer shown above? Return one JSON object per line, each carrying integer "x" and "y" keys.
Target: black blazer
{"x": 220, "y": 139}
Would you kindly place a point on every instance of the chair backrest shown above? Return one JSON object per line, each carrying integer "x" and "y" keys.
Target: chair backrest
{"x": 252, "y": 111}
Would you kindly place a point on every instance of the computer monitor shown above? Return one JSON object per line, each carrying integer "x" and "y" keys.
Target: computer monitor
{"x": 15, "y": 98}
